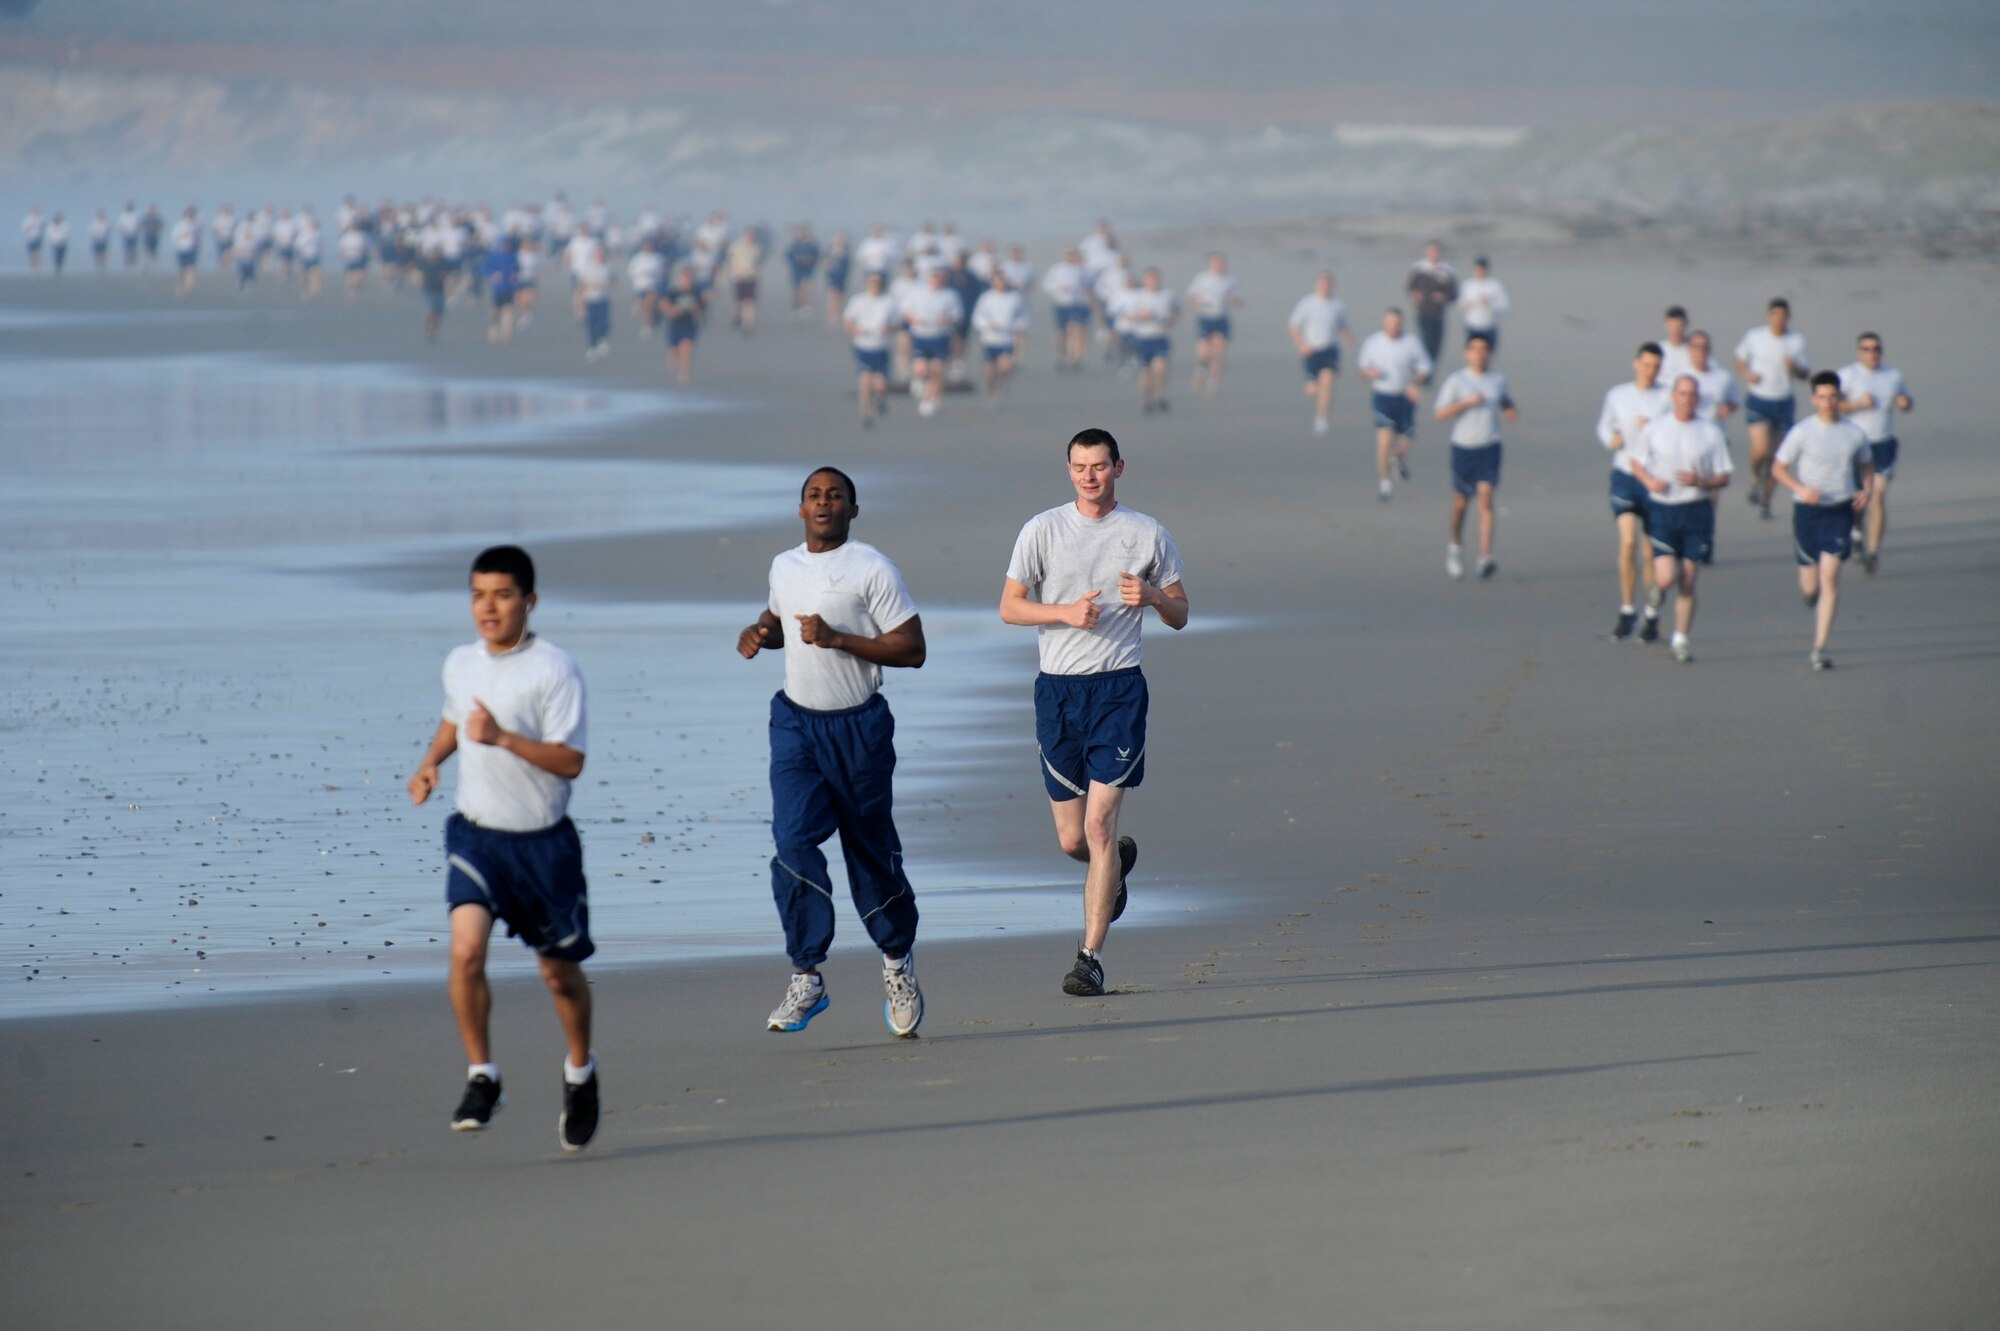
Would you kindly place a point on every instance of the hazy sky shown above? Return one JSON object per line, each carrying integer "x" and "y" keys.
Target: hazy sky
{"x": 1194, "y": 61}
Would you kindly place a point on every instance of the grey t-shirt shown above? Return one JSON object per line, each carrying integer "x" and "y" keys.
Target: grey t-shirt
{"x": 1061, "y": 554}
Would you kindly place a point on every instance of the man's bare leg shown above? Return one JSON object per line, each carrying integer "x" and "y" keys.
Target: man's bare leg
{"x": 571, "y": 992}
{"x": 1761, "y": 450}
{"x": 1631, "y": 558}
{"x": 1087, "y": 831}
{"x": 471, "y": 995}
{"x": 1485, "y": 520}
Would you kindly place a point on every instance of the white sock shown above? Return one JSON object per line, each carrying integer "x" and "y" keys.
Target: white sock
{"x": 1680, "y": 640}
{"x": 890, "y": 963}
{"x": 483, "y": 1070}
{"x": 1652, "y": 612}
{"x": 1624, "y": 609}
{"x": 1092, "y": 953}
{"x": 578, "y": 1076}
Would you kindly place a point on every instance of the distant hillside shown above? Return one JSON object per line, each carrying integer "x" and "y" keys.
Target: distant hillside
{"x": 1921, "y": 169}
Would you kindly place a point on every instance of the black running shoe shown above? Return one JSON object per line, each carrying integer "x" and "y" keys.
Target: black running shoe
{"x": 1623, "y": 628}
{"x": 1086, "y": 978}
{"x": 1403, "y": 468}
{"x": 578, "y": 1123}
{"x": 1649, "y": 629}
{"x": 482, "y": 1101}
{"x": 1128, "y": 855}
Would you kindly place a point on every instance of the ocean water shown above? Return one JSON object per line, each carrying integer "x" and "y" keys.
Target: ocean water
{"x": 209, "y": 727}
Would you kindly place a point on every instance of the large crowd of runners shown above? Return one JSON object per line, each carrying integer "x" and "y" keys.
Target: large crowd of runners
{"x": 926, "y": 312}
{"x": 929, "y": 311}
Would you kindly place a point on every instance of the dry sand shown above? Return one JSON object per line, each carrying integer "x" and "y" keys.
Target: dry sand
{"x": 1527, "y": 980}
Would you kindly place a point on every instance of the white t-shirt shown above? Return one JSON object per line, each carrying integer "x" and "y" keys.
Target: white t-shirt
{"x": 876, "y": 254}
{"x": 1770, "y": 360}
{"x": 856, "y": 589}
{"x": 1098, "y": 253}
{"x": 32, "y": 227}
{"x": 58, "y": 232}
{"x": 536, "y": 692}
{"x": 1402, "y": 361}
{"x": 1675, "y": 361}
{"x": 1821, "y": 456}
{"x": 1061, "y": 554}
{"x": 186, "y": 236}
{"x": 1148, "y": 313}
{"x": 1878, "y": 423}
{"x": 100, "y": 230}
{"x": 997, "y": 316}
{"x": 1211, "y": 293}
{"x": 1627, "y": 408}
{"x": 1481, "y": 302}
{"x": 873, "y": 317}
{"x": 353, "y": 245}
{"x": 593, "y": 280}
{"x": 1669, "y": 446}
{"x": 128, "y": 223}
{"x": 932, "y": 311}
{"x": 1020, "y": 274}
{"x": 1110, "y": 284}
{"x": 1320, "y": 320}
{"x": 1066, "y": 284}
{"x": 1480, "y": 425}
{"x": 1718, "y": 389}
{"x": 645, "y": 270}
{"x": 305, "y": 240}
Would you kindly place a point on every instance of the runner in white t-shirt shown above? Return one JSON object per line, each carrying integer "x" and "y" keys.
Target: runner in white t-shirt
{"x": 999, "y": 317}
{"x": 1475, "y": 400}
{"x": 871, "y": 317}
{"x": 840, "y": 611}
{"x": 1675, "y": 351}
{"x": 1871, "y": 394}
{"x": 1090, "y": 698}
{"x": 1720, "y": 396}
{"x": 186, "y": 241}
{"x": 1481, "y": 302}
{"x": 514, "y": 715}
{"x": 932, "y": 314}
{"x": 1627, "y": 408}
{"x": 1067, "y": 285}
{"x": 1212, "y": 295}
{"x": 1769, "y": 358}
{"x": 1396, "y": 367}
{"x": 1682, "y": 461}
{"x": 34, "y": 232}
{"x": 1318, "y": 326}
{"x": 1150, "y": 311}
{"x": 1826, "y": 463}
{"x": 99, "y": 232}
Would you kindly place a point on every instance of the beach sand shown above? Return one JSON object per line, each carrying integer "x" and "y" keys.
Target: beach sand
{"x": 1521, "y": 979}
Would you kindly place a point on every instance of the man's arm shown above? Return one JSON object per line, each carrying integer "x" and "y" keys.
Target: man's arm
{"x": 767, "y": 632}
{"x": 1017, "y": 608}
{"x": 1652, "y": 483}
{"x": 555, "y": 759}
{"x": 900, "y": 646}
{"x": 443, "y": 744}
{"x": 1445, "y": 411}
{"x": 1782, "y": 474}
{"x": 1170, "y": 601}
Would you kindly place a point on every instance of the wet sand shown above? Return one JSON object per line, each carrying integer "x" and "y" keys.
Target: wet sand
{"x": 1524, "y": 979}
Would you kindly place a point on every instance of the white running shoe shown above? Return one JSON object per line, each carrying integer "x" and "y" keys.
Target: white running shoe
{"x": 1683, "y": 649}
{"x": 1454, "y": 561}
{"x": 805, "y": 998}
{"x": 1488, "y": 566}
{"x": 1320, "y": 425}
{"x": 1383, "y": 491}
{"x": 927, "y": 408}
{"x": 903, "y": 1009}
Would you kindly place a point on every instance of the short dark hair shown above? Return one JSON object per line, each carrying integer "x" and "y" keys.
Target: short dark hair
{"x": 1650, "y": 349}
{"x": 1876, "y": 338}
{"x": 1477, "y": 336}
{"x": 1092, "y": 437}
{"x": 845, "y": 479}
{"x": 1675, "y": 312}
{"x": 509, "y": 559}
{"x": 1779, "y": 303}
{"x": 1825, "y": 377}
